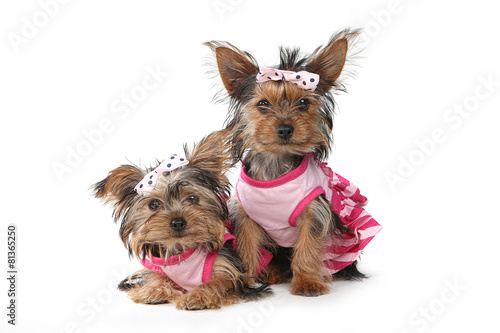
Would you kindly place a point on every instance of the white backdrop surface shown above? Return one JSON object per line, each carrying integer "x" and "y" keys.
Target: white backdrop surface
{"x": 87, "y": 85}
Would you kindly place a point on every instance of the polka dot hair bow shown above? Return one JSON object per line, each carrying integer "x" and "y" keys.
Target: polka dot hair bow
{"x": 303, "y": 79}
{"x": 148, "y": 183}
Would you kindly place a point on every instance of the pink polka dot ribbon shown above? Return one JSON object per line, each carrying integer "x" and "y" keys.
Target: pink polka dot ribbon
{"x": 148, "y": 183}
{"x": 303, "y": 79}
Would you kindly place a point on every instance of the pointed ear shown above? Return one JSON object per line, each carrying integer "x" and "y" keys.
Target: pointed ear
{"x": 118, "y": 188}
{"x": 329, "y": 61}
{"x": 212, "y": 154}
{"x": 235, "y": 66}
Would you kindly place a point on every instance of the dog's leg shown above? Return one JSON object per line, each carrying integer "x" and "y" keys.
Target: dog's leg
{"x": 148, "y": 287}
{"x": 224, "y": 288}
{"x": 314, "y": 225}
{"x": 210, "y": 295}
{"x": 249, "y": 238}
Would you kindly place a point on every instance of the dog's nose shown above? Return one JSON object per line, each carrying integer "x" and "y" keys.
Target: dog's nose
{"x": 178, "y": 224}
{"x": 284, "y": 131}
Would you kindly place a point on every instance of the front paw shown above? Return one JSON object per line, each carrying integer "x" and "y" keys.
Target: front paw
{"x": 308, "y": 286}
{"x": 198, "y": 300}
{"x": 142, "y": 296}
{"x": 272, "y": 275}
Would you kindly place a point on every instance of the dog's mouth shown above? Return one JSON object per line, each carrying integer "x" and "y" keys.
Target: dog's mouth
{"x": 179, "y": 234}
{"x": 298, "y": 146}
{"x": 267, "y": 145}
{"x": 166, "y": 250}
{"x": 154, "y": 250}
{"x": 289, "y": 146}
{"x": 282, "y": 142}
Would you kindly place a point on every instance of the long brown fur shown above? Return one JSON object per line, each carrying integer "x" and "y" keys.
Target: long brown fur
{"x": 197, "y": 193}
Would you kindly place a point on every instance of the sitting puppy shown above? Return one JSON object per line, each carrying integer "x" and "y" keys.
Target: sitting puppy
{"x": 288, "y": 198}
{"x": 173, "y": 218}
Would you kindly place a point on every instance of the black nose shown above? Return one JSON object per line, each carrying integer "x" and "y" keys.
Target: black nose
{"x": 178, "y": 224}
{"x": 284, "y": 131}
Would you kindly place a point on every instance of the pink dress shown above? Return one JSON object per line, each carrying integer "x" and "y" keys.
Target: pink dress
{"x": 276, "y": 205}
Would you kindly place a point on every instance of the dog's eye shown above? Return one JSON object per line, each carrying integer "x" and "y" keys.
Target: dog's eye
{"x": 154, "y": 205}
{"x": 193, "y": 199}
{"x": 303, "y": 104}
{"x": 263, "y": 105}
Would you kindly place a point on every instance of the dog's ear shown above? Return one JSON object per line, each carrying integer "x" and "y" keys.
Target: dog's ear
{"x": 235, "y": 67}
{"x": 212, "y": 154}
{"x": 329, "y": 61}
{"x": 118, "y": 188}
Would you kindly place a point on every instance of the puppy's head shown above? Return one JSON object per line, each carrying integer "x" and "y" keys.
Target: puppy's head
{"x": 281, "y": 117}
{"x": 186, "y": 207}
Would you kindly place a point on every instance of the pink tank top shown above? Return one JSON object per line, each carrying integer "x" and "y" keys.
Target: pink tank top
{"x": 190, "y": 269}
{"x": 276, "y": 205}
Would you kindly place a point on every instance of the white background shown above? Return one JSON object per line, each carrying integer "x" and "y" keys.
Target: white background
{"x": 438, "y": 251}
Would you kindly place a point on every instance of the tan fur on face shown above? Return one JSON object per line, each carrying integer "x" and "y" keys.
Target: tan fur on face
{"x": 204, "y": 222}
{"x": 259, "y": 134}
{"x": 145, "y": 231}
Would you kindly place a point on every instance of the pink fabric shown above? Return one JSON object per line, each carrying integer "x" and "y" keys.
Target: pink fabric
{"x": 264, "y": 259}
{"x": 264, "y": 255}
{"x": 190, "y": 269}
{"x": 148, "y": 183}
{"x": 276, "y": 204}
{"x": 303, "y": 79}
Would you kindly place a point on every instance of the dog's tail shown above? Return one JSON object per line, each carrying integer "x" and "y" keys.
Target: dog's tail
{"x": 351, "y": 272}
{"x": 250, "y": 293}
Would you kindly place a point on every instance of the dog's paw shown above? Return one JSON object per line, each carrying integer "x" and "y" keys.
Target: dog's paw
{"x": 272, "y": 275}
{"x": 198, "y": 300}
{"x": 308, "y": 288}
{"x": 141, "y": 296}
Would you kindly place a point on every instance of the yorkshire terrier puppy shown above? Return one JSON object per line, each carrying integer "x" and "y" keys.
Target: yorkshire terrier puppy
{"x": 173, "y": 218}
{"x": 288, "y": 199}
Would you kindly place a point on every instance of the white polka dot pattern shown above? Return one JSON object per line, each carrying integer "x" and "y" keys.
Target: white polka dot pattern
{"x": 148, "y": 183}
